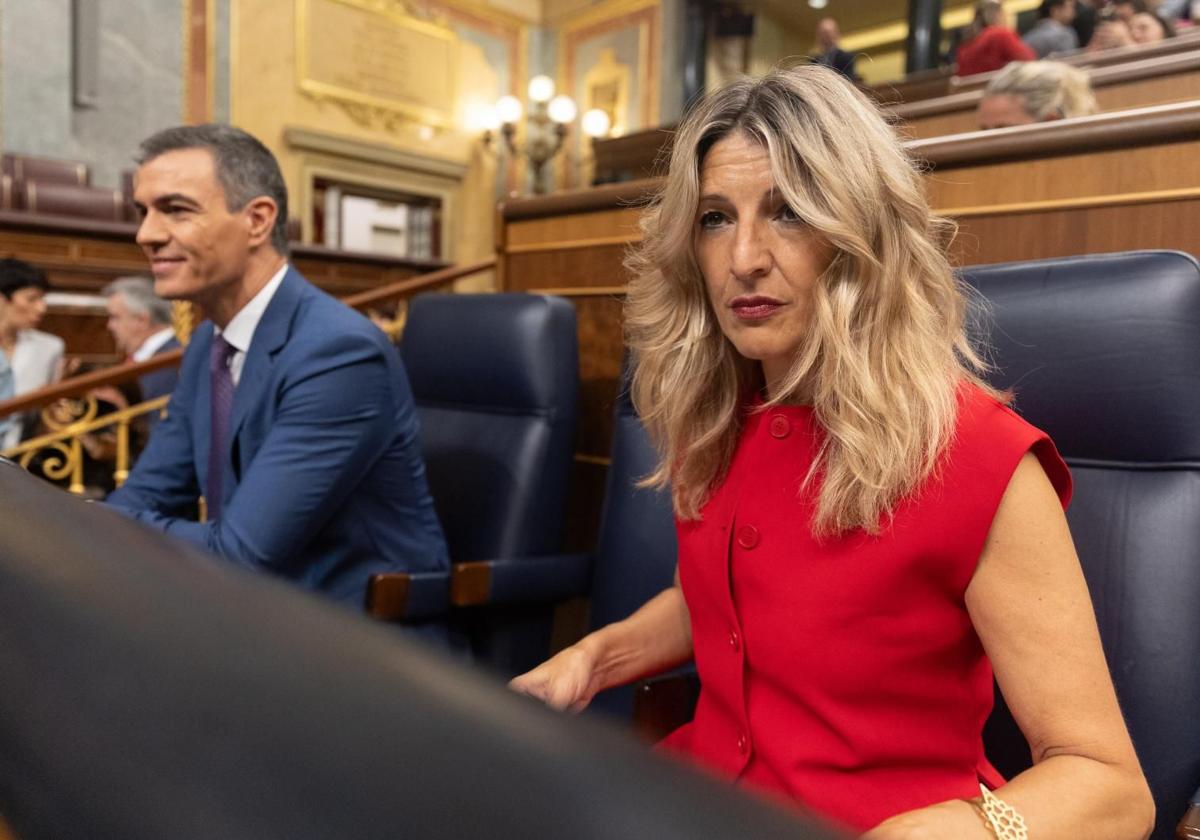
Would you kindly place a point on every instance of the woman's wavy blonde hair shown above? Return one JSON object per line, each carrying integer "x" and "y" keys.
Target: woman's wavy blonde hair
{"x": 887, "y": 349}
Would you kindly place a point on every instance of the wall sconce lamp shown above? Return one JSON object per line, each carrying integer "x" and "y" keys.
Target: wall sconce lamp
{"x": 545, "y": 125}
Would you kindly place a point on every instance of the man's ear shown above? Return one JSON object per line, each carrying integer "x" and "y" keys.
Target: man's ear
{"x": 261, "y": 213}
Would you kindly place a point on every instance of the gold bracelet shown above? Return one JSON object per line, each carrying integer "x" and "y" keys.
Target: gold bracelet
{"x": 1001, "y": 818}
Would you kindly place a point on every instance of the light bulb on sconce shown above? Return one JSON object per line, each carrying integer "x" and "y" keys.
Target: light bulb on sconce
{"x": 508, "y": 109}
{"x": 541, "y": 89}
{"x": 562, "y": 109}
{"x": 545, "y": 126}
{"x": 596, "y": 123}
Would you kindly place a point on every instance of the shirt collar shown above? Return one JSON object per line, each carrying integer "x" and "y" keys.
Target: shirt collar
{"x": 152, "y": 344}
{"x": 240, "y": 329}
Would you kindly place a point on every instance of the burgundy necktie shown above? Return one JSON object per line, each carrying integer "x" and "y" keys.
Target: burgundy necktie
{"x": 221, "y": 408}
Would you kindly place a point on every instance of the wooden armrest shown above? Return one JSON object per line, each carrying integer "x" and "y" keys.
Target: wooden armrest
{"x": 520, "y": 580}
{"x": 664, "y": 703}
{"x": 408, "y": 596}
{"x": 1189, "y": 826}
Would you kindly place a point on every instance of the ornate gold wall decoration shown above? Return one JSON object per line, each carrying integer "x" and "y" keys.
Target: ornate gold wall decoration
{"x": 377, "y": 62}
{"x": 606, "y": 86}
{"x": 636, "y": 21}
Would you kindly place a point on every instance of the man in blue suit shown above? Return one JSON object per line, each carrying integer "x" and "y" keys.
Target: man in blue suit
{"x": 293, "y": 415}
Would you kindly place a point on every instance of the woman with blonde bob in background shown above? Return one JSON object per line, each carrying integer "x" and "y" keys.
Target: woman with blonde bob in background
{"x": 866, "y": 532}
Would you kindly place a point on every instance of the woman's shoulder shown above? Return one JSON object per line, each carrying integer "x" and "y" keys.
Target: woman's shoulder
{"x": 42, "y": 340}
{"x": 989, "y": 430}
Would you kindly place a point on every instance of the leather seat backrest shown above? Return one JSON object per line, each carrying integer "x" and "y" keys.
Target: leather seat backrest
{"x": 1103, "y": 353}
{"x": 635, "y": 559}
{"x": 70, "y": 200}
{"x": 45, "y": 170}
{"x": 495, "y": 378}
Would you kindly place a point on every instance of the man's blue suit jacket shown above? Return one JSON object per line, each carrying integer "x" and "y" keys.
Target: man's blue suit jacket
{"x": 324, "y": 482}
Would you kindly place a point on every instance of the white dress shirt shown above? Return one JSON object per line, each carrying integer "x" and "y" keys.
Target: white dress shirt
{"x": 152, "y": 344}
{"x": 239, "y": 332}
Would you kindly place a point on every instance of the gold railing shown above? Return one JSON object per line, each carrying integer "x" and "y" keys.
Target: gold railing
{"x": 74, "y": 425}
{"x": 71, "y": 410}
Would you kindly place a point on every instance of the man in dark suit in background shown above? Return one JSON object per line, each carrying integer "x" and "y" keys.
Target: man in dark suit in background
{"x": 140, "y": 323}
{"x": 831, "y": 55}
{"x": 293, "y": 415}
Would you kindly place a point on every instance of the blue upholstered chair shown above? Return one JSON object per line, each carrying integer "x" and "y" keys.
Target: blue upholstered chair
{"x": 1103, "y": 353}
{"x": 496, "y": 382}
{"x": 635, "y": 558}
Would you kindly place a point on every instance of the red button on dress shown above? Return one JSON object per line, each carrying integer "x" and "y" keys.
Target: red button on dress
{"x": 734, "y": 641}
{"x": 743, "y": 743}
{"x": 747, "y": 536}
{"x": 780, "y": 427}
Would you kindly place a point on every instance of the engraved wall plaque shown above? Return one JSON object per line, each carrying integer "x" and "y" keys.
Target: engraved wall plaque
{"x": 372, "y": 54}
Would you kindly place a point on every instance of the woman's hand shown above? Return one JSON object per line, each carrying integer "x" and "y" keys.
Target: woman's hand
{"x": 566, "y": 681}
{"x": 953, "y": 820}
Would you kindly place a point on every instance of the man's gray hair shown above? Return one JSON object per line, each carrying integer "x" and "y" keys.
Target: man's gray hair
{"x": 245, "y": 167}
{"x": 139, "y": 297}
{"x": 1045, "y": 89}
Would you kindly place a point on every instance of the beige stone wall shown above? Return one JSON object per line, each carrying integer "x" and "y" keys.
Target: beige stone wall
{"x": 316, "y": 136}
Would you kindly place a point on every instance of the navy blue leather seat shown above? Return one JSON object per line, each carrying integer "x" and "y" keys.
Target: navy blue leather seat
{"x": 496, "y": 382}
{"x": 635, "y": 558}
{"x": 1103, "y": 353}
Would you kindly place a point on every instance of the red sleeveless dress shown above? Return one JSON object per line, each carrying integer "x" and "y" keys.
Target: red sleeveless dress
{"x": 845, "y": 674}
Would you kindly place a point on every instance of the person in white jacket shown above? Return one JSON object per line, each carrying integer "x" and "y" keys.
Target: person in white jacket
{"x": 29, "y": 359}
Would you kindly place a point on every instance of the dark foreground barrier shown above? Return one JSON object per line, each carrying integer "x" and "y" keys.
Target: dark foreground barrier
{"x": 147, "y": 691}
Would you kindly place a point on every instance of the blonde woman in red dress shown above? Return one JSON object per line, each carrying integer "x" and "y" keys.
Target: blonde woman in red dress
{"x": 866, "y": 532}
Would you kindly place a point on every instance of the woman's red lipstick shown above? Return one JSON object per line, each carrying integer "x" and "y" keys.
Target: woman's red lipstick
{"x": 754, "y": 307}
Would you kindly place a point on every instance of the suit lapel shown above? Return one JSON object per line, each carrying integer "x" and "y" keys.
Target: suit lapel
{"x": 269, "y": 337}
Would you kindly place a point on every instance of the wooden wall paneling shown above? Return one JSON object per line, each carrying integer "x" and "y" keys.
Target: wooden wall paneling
{"x": 940, "y": 125}
{"x": 1069, "y": 231}
{"x": 1152, "y": 91}
{"x": 598, "y": 320}
{"x": 84, "y": 330}
{"x": 600, "y": 348}
{"x": 1086, "y": 174}
{"x": 595, "y": 267}
{"x": 555, "y": 231}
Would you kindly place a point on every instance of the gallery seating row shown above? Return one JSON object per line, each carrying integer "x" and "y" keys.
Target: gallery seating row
{"x": 1146, "y": 79}
{"x": 931, "y": 84}
{"x": 61, "y": 188}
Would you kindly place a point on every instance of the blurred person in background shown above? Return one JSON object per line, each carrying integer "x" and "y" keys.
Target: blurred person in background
{"x": 140, "y": 323}
{"x": 831, "y": 55}
{"x": 1149, "y": 28}
{"x": 1035, "y": 91}
{"x": 30, "y": 359}
{"x": 990, "y": 42}
{"x": 1053, "y": 32}
{"x": 1112, "y": 25}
